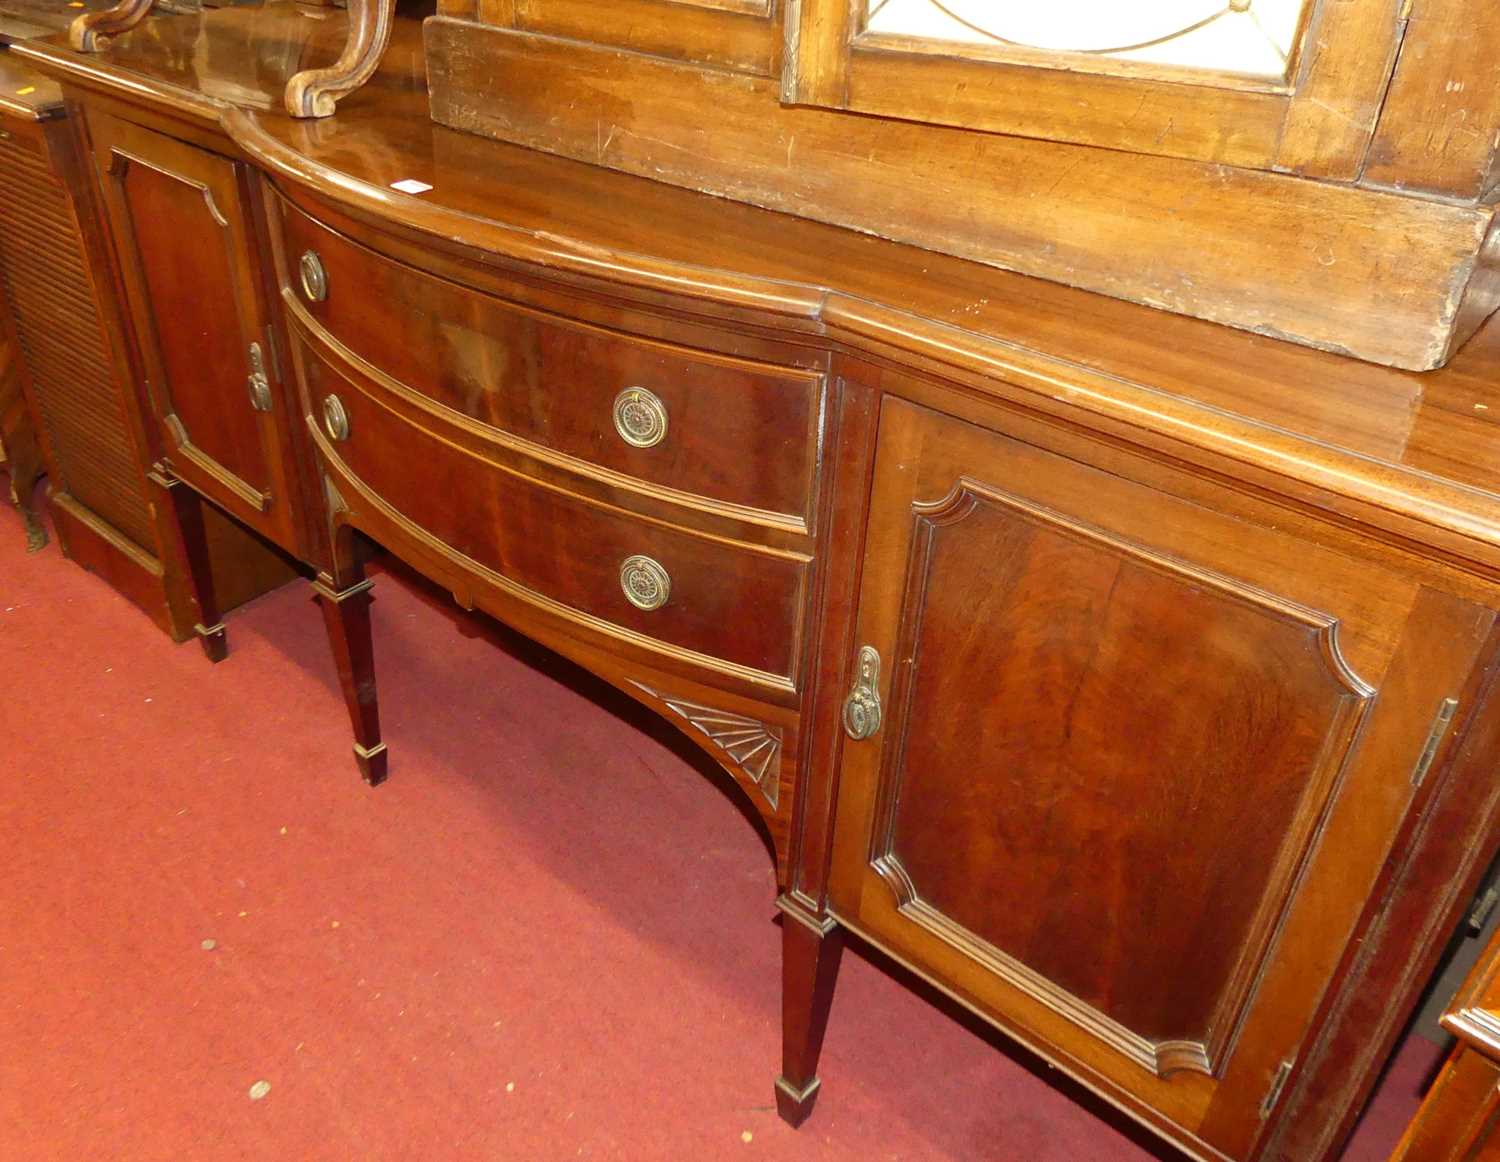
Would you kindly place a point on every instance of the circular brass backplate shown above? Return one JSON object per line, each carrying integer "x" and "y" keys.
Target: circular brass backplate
{"x": 646, "y": 584}
{"x": 640, "y": 417}
{"x": 314, "y": 277}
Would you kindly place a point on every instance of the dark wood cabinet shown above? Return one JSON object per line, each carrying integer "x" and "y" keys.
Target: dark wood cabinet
{"x": 1130, "y": 678}
{"x": 181, "y": 224}
{"x": 81, "y": 409}
{"x": 1143, "y": 748}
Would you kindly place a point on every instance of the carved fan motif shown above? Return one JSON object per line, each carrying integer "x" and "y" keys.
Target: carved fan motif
{"x": 753, "y": 746}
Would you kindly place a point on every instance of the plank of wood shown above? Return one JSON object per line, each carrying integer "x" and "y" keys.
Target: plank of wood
{"x": 1373, "y": 274}
{"x": 1341, "y": 80}
{"x": 497, "y": 12}
{"x": 1439, "y": 131}
{"x": 1140, "y": 114}
{"x": 728, "y": 35}
{"x": 817, "y": 53}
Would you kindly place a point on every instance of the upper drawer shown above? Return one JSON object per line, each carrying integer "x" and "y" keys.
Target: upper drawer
{"x": 729, "y": 430}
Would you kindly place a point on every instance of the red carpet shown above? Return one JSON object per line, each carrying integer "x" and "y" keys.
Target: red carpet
{"x": 550, "y": 936}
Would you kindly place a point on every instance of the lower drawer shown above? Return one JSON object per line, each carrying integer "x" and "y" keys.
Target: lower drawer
{"x": 723, "y": 604}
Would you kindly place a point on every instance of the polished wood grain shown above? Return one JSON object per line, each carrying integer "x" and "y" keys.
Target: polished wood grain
{"x": 1389, "y": 444}
{"x": 187, "y": 509}
{"x": 91, "y": 31}
{"x": 1440, "y": 123}
{"x": 29, "y": 18}
{"x": 1190, "y": 636}
{"x": 1088, "y": 880}
{"x": 1195, "y": 122}
{"x": 1080, "y": 811}
{"x": 80, "y": 391}
{"x": 181, "y": 226}
{"x": 1309, "y": 261}
{"x": 737, "y": 432}
{"x": 1059, "y": 96}
{"x": 561, "y": 550}
{"x": 311, "y": 92}
{"x": 316, "y": 92}
{"x": 1460, "y": 1118}
{"x": 812, "y": 947}
{"x": 1348, "y": 53}
{"x": 742, "y": 37}
{"x": 345, "y": 601}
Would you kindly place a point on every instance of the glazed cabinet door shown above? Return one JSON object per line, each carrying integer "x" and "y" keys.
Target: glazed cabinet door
{"x": 179, "y": 219}
{"x": 1127, "y": 752}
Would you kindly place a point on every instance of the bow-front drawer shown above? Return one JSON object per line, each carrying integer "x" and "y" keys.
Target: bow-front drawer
{"x": 731, "y": 433}
{"x": 558, "y": 542}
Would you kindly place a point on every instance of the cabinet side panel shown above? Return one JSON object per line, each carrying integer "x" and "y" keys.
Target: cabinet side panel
{"x": 57, "y": 325}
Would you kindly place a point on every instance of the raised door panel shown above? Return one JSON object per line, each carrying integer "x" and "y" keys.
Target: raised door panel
{"x": 1117, "y": 726}
{"x": 1128, "y": 704}
{"x": 178, "y": 218}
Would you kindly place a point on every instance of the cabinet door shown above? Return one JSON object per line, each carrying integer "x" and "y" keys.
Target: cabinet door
{"x": 178, "y": 217}
{"x": 1145, "y": 745}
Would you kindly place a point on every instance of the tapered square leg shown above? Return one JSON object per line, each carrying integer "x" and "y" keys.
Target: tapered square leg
{"x": 187, "y": 512}
{"x": 811, "y": 948}
{"x": 346, "y": 615}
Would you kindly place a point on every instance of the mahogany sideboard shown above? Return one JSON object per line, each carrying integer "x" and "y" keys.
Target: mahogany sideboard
{"x": 1130, "y": 678}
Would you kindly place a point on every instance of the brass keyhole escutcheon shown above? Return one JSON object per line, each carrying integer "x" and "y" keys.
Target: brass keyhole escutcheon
{"x": 257, "y": 383}
{"x": 640, "y": 417}
{"x": 335, "y": 418}
{"x": 645, "y": 583}
{"x": 862, "y": 708}
{"x": 314, "y": 277}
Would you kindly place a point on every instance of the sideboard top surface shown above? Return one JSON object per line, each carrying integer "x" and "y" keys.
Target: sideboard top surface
{"x": 1421, "y": 449}
{"x": 24, "y": 93}
{"x": 27, "y": 18}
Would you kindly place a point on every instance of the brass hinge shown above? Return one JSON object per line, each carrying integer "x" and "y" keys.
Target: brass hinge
{"x": 1440, "y": 724}
{"x": 1278, "y": 1083}
{"x": 1479, "y": 915}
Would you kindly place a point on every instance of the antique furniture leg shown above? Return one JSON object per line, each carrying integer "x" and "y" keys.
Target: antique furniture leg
{"x": 346, "y": 613}
{"x": 22, "y": 456}
{"x": 186, "y": 507}
{"x": 314, "y": 92}
{"x": 811, "y": 948}
{"x": 90, "y": 31}
{"x": 25, "y": 471}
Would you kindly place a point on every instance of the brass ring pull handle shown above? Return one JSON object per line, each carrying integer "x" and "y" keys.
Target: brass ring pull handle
{"x": 335, "y": 419}
{"x": 640, "y": 418}
{"x": 314, "y": 277}
{"x": 862, "y": 707}
{"x": 645, "y": 583}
